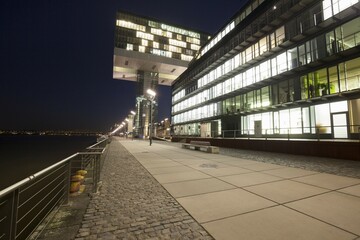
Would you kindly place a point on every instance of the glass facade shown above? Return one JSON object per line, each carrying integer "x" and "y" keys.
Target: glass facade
{"x": 298, "y": 76}
{"x": 135, "y": 33}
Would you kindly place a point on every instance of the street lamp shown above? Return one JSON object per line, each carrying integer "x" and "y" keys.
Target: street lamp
{"x": 131, "y": 126}
{"x": 152, "y": 95}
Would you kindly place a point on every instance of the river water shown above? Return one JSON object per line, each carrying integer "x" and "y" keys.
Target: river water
{"x": 24, "y": 155}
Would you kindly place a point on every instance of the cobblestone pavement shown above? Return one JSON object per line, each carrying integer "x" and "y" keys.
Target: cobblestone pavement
{"x": 131, "y": 204}
{"x": 339, "y": 167}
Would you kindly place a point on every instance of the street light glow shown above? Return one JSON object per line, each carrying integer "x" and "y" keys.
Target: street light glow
{"x": 151, "y": 92}
{"x": 132, "y": 112}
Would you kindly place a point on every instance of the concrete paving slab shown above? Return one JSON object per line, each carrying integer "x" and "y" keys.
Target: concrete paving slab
{"x": 328, "y": 181}
{"x": 162, "y": 165}
{"x": 275, "y": 223}
{"x": 336, "y": 208}
{"x": 195, "y": 187}
{"x": 174, "y": 169}
{"x": 354, "y": 190}
{"x": 222, "y": 158}
{"x": 217, "y": 205}
{"x": 225, "y": 171}
{"x": 208, "y": 165}
{"x": 240, "y": 162}
{"x": 249, "y": 179}
{"x": 189, "y": 162}
{"x": 262, "y": 166}
{"x": 288, "y": 172}
{"x": 180, "y": 176}
{"x": 285, "y": 191}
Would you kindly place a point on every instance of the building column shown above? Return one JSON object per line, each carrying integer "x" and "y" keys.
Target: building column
{"x": 145, "y": 81}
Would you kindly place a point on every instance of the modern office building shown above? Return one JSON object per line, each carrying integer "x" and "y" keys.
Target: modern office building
{"x": 276, "y": 69}
{"x": 151, "y": 52}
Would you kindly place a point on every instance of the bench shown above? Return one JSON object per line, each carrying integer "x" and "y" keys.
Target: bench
{"x": 201, "y": 146}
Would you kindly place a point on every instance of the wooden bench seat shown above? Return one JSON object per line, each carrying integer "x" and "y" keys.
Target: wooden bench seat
{"x": 201, "y": 146}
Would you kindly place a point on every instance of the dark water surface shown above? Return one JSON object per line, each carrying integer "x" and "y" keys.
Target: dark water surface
{"x": 24, "y": 155}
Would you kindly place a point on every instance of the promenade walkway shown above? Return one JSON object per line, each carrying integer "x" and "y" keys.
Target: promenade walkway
{"x": 215, "y": 195}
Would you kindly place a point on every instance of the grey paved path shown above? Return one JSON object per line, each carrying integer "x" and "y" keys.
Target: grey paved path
{"x": 233, "y": 195}
{"x": 339, "y": 167}
{"x": 131, "y": 204}
{"x": 237, "y": 198}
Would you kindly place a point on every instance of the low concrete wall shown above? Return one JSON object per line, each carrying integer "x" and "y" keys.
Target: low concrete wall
{"x": 341, "y": 150}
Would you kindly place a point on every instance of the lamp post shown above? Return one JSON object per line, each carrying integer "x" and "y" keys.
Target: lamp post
{"x": 132, "y": 125}
{"x": 151, "y": 98}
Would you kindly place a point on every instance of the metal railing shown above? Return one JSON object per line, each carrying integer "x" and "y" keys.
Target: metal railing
{"x": 25, "y": 204}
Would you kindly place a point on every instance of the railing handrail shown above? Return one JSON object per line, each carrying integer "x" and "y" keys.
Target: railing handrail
{"x": 35, "y": 175}
{"x": 41, "y": 172}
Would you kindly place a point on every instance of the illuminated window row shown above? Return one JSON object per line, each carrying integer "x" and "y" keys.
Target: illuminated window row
{"x": 198, "y": 113}
{"x": 255, "y": 50}
{"x": 332, "y": 7}
{"x": 301, "y": 120}
{"x": 218, "y": 37}
{"x": 229, "y": 27}
{"x": 180, "y": 31}
{"x": 295, "y": 120}
{"x": 306, "y": 53}
{"x": 179, "y": 95}
{"x": 143, "y": 35}
{"x": 145, "y": 43}
{"x": 177, "y": 43}
{"x": 161, "y": 53}
{"x": 332, "y": 80}
{"x": 130, "y": 25}
{"x": 194, "y": 47}
{"x": 193, "y": 40}
{"x": 173, "y": 29}
{"x": 160, "y": 32}
{"x": 185, "y": 57}
{"x": 173, "y": 49}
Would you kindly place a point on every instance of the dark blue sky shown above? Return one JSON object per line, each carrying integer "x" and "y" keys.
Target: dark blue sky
{"x": 56, "y": 59}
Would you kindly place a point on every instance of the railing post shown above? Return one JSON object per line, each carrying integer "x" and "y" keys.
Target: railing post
{"x": 98, "y": 158}
{"x": 14, "y": 213}
{"x": 234, "y": 134}
{"x": 67, "y": 182}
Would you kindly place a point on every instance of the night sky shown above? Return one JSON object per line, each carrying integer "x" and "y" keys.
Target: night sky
{"x": 56, "y": 59}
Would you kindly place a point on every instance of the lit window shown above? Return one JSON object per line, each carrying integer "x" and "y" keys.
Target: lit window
{"x": 141, "y": 49}
{"x": 186, "y": 57}
{"x": 129, "y": 47}
{"x": 174, "y": 49}
{"x": 194, "y": 47}
{"x": 130, "y": 25}
{"x": 177, "y": 43}
{"x": 143, "y": 35}
{"x": 155, "y": 44}
{"x": 144, "y": 42}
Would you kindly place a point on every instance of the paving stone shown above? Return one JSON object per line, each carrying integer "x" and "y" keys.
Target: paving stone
{"x": 133, "y": 205}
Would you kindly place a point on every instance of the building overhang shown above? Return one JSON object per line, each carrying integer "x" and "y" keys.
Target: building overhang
{"x": 128, "y": 63}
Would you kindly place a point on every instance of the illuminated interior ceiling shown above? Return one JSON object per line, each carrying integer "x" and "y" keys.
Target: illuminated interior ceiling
{"x": 127, "y": 63}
